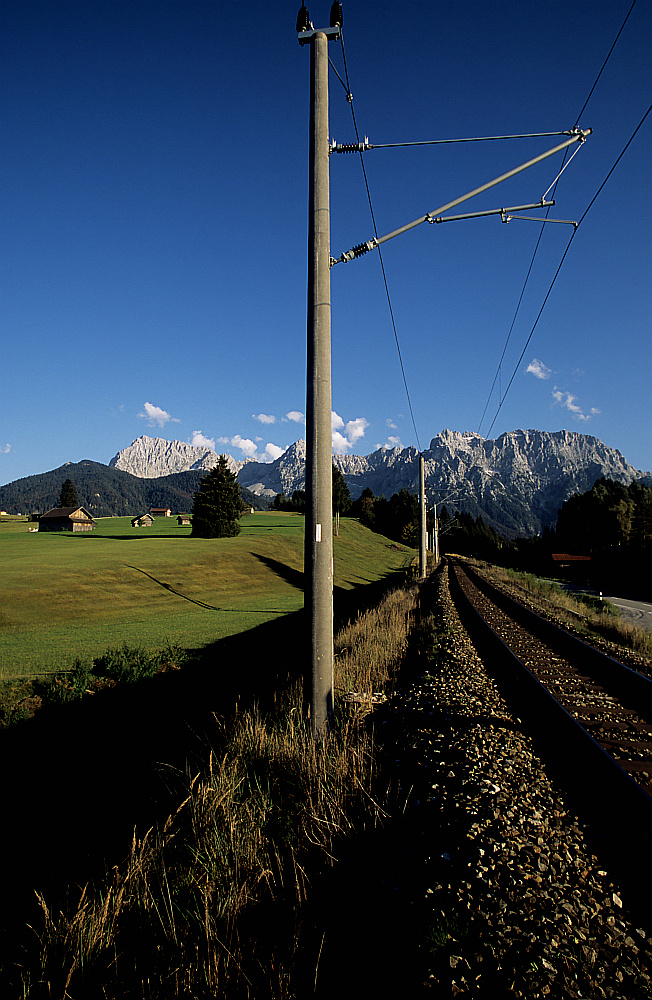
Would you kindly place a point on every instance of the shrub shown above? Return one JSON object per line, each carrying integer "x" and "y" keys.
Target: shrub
{"x": 65, "y": 687}
{"x": 129, "y": 664}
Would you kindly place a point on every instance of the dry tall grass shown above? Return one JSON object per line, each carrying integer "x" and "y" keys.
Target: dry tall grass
{"x": 214, "y": 903}
{"x": 367, "y": 651}
{"x": 589, "y": 614}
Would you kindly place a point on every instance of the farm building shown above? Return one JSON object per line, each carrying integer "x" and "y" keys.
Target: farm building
{"x": 66, "y": 519}
{"x": 160, "y": 511}
{"x": 142, "y": 521}
{"x": 571, "y": 566}
{"x": 183, "y": 519}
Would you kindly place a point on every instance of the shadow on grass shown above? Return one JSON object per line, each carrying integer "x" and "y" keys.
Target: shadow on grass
{"x": 292, "y": 576}
{"x": 202, "y": 604}
{"x": 78, "y": 780}
{"x": 347, "y": 603}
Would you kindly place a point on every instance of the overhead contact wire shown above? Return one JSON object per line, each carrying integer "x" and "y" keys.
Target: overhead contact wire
{"x": 536, "y": 248}
{"x": 380, "y": 256}
{"x": 581, "y": 220}
{"x": 606, "y": 61}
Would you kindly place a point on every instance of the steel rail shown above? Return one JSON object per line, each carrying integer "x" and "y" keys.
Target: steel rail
{"x": 616, "y": 809}
{"x": 628, "y": 683}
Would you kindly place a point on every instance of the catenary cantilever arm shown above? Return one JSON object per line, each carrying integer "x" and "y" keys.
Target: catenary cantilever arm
{"x": 579, "y": 135}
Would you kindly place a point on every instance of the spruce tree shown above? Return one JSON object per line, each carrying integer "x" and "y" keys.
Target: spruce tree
{"x": 217, "y": 506}
{"x": 341, "y": 494}
{"x": 68, "y": 496}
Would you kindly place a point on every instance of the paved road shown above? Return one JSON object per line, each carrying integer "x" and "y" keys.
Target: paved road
{"x": 636, "y": 612}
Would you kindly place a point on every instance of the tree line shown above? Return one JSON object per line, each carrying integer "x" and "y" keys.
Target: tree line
{"x": 396, "y": 518}
{"x": 297, "y": 502}
{"x": 611, "y": 523}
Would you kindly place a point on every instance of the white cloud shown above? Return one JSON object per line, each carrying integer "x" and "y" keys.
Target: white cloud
{"x": 391, "y": 442}
{"x": 199, "y": 440}
{"x": 355, "y": 429}
{"x": 6, "y": 449}
{"x": 155, "y": 415}
{"x": 246, "y": 445}
{"x": 538, "y": 369}
{"x": 274, "y": 451}
{"x": 340, "y": 444}
{"x": 344, "y": 436}
{"x": 390, "y": 423}
{"x": 569, "y": 402}
{"x": 250, "y": 448}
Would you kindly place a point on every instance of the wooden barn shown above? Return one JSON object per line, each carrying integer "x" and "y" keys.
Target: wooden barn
{"x": 572, "y": 567}
{"x": 142, "y": 521}
{"x": 66, "y": 519}
{"x": 160, "y": 511}
{"x": 183, "y": 519}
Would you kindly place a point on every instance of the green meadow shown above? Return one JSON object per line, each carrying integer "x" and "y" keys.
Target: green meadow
{"x": 65, "y": 595}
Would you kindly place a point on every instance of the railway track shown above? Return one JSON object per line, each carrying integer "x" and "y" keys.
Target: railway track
{"x": 590, "y": 713}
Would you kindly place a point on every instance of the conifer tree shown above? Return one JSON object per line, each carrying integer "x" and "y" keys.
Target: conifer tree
{"x": 68, "y": 496}
{"x": 218, "y": 504}
{"x": 341, "y": 494}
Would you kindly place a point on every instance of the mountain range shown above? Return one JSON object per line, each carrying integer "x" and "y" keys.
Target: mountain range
{"x": 517, "y": 482}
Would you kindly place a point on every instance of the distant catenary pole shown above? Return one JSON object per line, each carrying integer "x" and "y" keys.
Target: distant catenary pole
{"x": 422, "y": 520}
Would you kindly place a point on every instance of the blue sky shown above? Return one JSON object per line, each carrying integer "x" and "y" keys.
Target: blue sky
{"x": 154, "y": 220}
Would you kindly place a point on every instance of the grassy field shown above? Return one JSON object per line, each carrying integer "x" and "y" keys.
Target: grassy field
{"x": 64, "y": 595}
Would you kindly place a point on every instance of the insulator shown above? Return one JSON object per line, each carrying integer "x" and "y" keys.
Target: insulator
{"x": 303, "y": 19}
{"x": 360, "y": 249}
{"x": 336, "y": 15}
{"x": 350, "y": 147}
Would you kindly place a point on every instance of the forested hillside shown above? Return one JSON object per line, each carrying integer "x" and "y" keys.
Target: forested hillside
{"x": 107, "y": 492}
{"x": 611, "y": 523}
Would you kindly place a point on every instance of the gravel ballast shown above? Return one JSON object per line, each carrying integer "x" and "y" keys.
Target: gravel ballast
{"x": 507, "y": 896}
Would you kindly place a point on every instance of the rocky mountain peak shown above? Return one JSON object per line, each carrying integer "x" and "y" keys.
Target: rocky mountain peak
{"x": 516, "y": 482}
{"x": 149, "y": 458}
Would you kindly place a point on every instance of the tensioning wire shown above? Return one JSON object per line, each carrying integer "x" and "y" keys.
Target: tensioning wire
{"x": 536, "y": 247}
{"x": 349, "y": 97}
{"x": 584, "y": 214}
